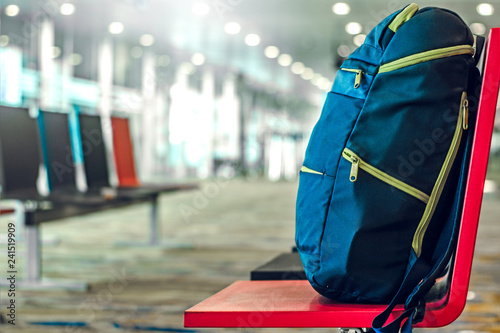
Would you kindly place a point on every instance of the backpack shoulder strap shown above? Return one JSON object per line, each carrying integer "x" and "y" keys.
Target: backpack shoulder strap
{"x": 421, "y": 277}
{"x": 418, "y": 271}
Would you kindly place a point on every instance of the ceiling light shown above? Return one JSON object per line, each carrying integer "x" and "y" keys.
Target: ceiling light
{"x": 76, "y": 59}
{"x": 116, "y": 28}
{"x": 322, "y": 82}
{"x": 200, "y": 9}
{"x": 67, "y": 9}
{"x": 163, "y": 60}
{"x": 198, "y": 59}
{"x": 359, "y": 39}
{"x": 272, "y": 52}
{"x": 4, "y": 40}
{"x": 315, "y": 79}
{"x": 353, "y": 28}
{"x": 285, "y": 60}
{"x": 327, "y": 85}
{"x": 252, "y": 39}
{"x": 308, "y": 74}
{"x": 341, "y": 8}
{"x": 187, "y": 68}
{"x": 12, "y": 10}
{"x": 297, "y": 68}
{"x": 232, "y": 28}
{"x": 478, "y": 28}
{"x": 56, "y": 52}
{"x": 147, "y": 40}
{"x": 136, "y": 52}
{"x": 485, "y": 9}
{"x": 343, "y": 51}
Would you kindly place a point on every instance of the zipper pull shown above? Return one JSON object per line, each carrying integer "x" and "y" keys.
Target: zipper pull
{"x": 357, "y": 80}
{"x": 465, "y": 117}
{"x": 354, "y": 169}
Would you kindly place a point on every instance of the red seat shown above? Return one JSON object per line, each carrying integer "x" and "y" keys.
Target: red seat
{"x": 296, "y": 304}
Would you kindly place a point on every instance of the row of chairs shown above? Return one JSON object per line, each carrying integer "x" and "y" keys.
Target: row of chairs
{"x": 45, "y": 147}
{"x": 30, "y": 142}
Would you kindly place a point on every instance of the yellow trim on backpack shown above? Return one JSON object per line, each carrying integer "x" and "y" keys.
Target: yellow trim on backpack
{"x": 388, "y": 179}
{"x": 418, "y": 237}
{"x": 426, "y": 56}
{"x": 357, "y": 79}
{"x": 306, "y": 169}
{"x": 404, "y": 16}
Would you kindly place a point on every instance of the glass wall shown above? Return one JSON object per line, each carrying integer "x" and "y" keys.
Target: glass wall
{"x": 191, "y": 115}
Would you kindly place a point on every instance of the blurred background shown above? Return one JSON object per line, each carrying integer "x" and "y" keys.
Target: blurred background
{"x": 221, "y": 92}
{"x": 210, "y": 87}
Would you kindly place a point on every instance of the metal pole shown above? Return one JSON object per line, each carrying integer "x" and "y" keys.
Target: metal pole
{"x": 154, "y": 228}
{"x": 33, "y": 258}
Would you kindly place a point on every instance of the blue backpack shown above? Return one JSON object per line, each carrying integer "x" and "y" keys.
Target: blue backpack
{"x": 381, "y": 188}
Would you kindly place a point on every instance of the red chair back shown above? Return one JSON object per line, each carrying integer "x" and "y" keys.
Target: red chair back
{"x": 123, "y": 152}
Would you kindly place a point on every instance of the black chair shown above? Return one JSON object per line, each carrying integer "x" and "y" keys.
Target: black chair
{"x": 286, "y": 266}
{"x": 95, "y": 160}
{"x": 58, "y": 157}
{"x": 20, "y": 155}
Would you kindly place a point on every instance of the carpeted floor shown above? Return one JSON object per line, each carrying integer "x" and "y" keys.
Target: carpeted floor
{"x": 217, "y": 235}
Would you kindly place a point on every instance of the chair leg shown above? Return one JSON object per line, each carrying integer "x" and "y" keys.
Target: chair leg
{"x": 33, "y": 259}
{"x": 154, "y": 228}
{"x": 33, "y": 264}
{"x": 154, "y": 239}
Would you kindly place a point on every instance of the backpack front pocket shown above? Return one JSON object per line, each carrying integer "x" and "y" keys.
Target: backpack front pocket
{"x": 368, "y": 233}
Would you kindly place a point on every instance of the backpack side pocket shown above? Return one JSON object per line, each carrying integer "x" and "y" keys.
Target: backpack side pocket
{"x": 313, "y": 201}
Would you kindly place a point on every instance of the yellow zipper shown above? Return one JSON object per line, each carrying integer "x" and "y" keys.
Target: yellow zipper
{"x": 465, "y": 108}
{"x": 426, "y": 56}
{"x": 306, "y": 169}
{"x": 359, "y": 163}
{"x": 462, "y": 124}
{"x": 357, "y": 79}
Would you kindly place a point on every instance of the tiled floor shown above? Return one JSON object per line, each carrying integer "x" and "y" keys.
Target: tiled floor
{"x": 223, "y": 230}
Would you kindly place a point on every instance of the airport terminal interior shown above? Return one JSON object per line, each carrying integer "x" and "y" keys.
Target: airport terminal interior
{"x": 159, "y": 144}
